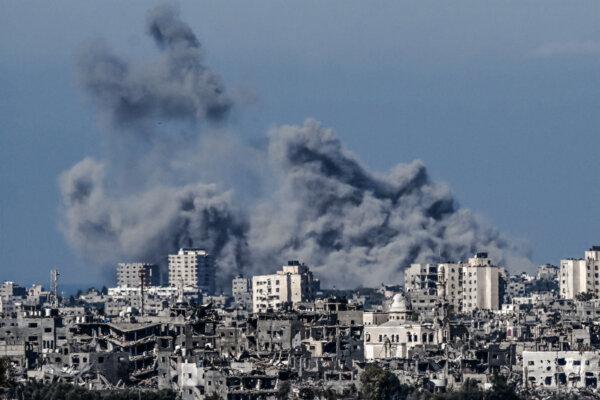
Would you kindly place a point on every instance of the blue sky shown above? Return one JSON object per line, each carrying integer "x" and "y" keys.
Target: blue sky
{"x": 500, "y": 100}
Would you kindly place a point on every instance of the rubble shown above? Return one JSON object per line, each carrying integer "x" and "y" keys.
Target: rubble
{"x": 314, "y": 341}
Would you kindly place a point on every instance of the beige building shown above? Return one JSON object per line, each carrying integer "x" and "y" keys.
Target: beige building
{"x": 450, "y": 284}
{"x": 130, "y": 274}
{"x": 481, "y": 283}
{"x": 395, "y": 335}
{"x": 192, "y": 268}
{"x": 292, "y": 285}
{"x": 580, "y": 275}
{"x": 467, "y": 286}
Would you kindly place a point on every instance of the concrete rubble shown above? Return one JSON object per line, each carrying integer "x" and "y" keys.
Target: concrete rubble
{"x": 198, "y": 344}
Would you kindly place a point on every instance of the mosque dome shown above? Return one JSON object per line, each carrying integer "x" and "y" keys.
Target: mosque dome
{"x": 399, "y": 304}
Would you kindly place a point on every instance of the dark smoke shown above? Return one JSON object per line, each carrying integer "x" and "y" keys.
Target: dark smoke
{"x": 178, "y": 88}
{"x": 356, "y": 227}
{"x": 351, "y": 225}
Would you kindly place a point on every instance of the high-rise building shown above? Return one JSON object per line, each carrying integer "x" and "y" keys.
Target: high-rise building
{"x": 192, "y": 268}
{"x": 467, "y": 286}
{"x": 130, "y": 274}
{"x": 580, "y": 275}
{"x": 481, "y": 283}
{"x": 293, "y": 284}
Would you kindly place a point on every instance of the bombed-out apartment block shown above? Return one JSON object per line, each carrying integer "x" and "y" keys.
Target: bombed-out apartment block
{"x": 282, "y": 335}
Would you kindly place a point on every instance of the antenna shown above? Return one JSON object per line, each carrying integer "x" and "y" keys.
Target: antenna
{"x": 54, "y": 274}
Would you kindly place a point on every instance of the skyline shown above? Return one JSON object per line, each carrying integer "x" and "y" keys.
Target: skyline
{"x": 501, "y": 90}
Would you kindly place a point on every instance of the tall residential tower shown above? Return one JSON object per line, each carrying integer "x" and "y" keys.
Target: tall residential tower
{"x": 192, "y": 268}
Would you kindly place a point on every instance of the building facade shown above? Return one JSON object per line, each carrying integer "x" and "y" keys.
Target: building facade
{"x": 241, "y": 291}
{"x": 561, "y": 369}
{"x": 130, "y": 274}
{"x": 292, "y": 285}
{"x": 481, "y": 284}
{"x": 467, "y": 286}
{"x": 399, "y": 334}
{"x": 192, "y": 268}
{"x": 580, "y": 275}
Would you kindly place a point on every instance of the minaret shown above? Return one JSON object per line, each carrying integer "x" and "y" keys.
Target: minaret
{"x": 54, "y": 274}
{"x": 180, "y": 289}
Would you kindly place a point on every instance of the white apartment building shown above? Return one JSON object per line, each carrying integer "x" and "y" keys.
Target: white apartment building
{"x": 580, "y": 275}
{"x": 481, "y": 284}
{"x": 467, "y": 286}
{"x": 130, "y": 274}
{"x": 292, "y": 285}
{"x": 193, "y": 268}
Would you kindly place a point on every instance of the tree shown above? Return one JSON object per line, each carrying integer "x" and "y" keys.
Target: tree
{"x": 6, "y": 373}
{"x": 306, "y": 393}
{"x": 283, "y": 390}
{"x": 380, "y": 384}
{"x": 501, "y": 390}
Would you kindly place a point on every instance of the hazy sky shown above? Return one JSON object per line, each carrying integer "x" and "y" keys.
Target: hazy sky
{"x": 499, "y": 99}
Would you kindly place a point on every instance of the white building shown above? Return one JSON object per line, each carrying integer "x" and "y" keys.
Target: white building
{"x": 130, "y": 274}
{"x": 466, "y": 286}
{"x": 293, "y": 284}
{"x": 193, "y": 268}
{"x": 481, "y": 283}
{"x": 561, "y": 369}
{"x": 580, "y": 275}
{"x": 395, "y": 337}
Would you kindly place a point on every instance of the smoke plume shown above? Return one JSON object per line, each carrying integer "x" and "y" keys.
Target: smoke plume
{"x": 149, "y": 225}
{"x": 180, "y": 87}
{"x": 351, "y": 225}
{"x": 357, "y": 227}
